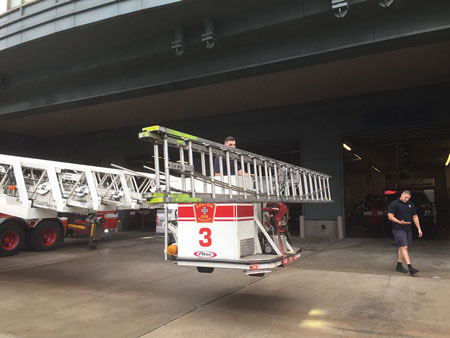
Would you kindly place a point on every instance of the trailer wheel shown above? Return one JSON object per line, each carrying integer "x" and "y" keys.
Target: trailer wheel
{"x": 12, "y": 238}
{"x": 46, "y": 236}
{"x": 203, "y": 269}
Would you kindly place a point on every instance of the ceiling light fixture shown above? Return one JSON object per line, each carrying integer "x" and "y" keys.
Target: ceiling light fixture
{"x": 385, "y": 3}
{"x": 448, "y": 160}
{"x": 346, "y": 147}
{"x": 376, "y": 169}
{"x": 358, "y": 157}
{"x": 340, "y": 8}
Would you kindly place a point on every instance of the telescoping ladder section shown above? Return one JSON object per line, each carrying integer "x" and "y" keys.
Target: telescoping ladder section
{"x": 33, "y": 188}
{"x": 188, "y": 173}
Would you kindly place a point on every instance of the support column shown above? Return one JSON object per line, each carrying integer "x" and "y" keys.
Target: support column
{"x": 302, "y": 227}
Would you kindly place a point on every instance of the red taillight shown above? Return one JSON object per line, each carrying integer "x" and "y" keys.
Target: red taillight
{"x": 254, "y": 267}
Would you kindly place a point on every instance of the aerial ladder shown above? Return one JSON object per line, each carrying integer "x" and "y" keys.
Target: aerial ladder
{"x": 221, "y": 219}
{"x": 35, "y": 194}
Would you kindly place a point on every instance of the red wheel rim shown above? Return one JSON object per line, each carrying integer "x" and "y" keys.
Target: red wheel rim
{"x": 48, "y": 237}
{"x": 9, "y": 240}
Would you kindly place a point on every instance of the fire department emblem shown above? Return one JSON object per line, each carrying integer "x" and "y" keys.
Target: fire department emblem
{"x": 204, "y": 212}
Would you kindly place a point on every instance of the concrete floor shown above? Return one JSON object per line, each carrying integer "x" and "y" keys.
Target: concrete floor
{"x": 124, "y": 289}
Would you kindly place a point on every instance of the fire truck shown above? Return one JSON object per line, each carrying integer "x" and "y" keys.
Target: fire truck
{"x": 211, "y": 219}
{"x": 225, "y": 220}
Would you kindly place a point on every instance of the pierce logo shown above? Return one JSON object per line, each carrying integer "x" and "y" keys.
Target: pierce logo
{"x": 204, "y": 212}
{"x": 205, "y": 254}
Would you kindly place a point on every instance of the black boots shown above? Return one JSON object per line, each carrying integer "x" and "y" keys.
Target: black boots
{"x": 400, "y": 268}
{"x": 412, "y": 271}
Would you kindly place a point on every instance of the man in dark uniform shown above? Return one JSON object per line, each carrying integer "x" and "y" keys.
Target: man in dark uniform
{"x": 402, "y": 213}
{"x": 230, "y": 141}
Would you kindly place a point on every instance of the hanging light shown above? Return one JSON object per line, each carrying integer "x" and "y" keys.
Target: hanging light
{"x": 340, "y": 8}
{"x": 385, "y": 3}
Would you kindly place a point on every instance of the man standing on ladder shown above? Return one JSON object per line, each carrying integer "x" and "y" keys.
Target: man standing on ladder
{"x": 401, "y": 213}
{"x": 230, "y": 141}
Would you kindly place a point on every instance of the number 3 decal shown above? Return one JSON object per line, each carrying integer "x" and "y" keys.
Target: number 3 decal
{"x": 206, "y": 232}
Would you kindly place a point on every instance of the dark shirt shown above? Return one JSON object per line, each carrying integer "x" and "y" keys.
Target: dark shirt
{"x": 403, "y": 212}
{"x": 224, "y": 163}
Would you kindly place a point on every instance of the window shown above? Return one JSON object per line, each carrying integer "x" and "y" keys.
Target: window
{"x": 10, "y": 4}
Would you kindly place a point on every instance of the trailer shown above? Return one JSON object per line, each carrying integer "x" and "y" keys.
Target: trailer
{"x": 223, "y": 220}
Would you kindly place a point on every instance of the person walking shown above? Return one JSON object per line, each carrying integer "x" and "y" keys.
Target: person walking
{"x": 401, "y": 213}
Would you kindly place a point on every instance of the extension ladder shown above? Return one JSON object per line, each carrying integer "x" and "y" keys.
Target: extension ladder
{"x": 188, "y": 173}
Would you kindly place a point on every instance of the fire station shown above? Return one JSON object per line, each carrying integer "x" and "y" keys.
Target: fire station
{"x": 355, "y": 91}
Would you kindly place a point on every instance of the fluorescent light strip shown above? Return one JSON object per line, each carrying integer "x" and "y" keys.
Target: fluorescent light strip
{"x": 346, "y": 147}
{"x": 358, "y": 157}
{"x": 376, "y": 169}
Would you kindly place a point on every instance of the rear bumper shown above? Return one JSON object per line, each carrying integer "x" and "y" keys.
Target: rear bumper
{"x": 257, "y": 262}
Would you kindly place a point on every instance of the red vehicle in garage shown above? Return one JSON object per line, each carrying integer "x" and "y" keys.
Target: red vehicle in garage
{"x": 374, "y": 212}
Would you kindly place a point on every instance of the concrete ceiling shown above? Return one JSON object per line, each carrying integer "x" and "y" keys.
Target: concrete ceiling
{"x": 403, "y": 68}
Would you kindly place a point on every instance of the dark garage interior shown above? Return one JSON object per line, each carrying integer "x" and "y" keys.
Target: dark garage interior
{"x": 379, "y": 165}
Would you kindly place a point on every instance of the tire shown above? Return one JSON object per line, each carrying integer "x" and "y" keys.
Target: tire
{"x": 171, "y": 239}
{"x": 203, "y": 269}
{"x": 12, "y": 238}
{"x": 46, "y": 236}
{"x": 257, "y": 274}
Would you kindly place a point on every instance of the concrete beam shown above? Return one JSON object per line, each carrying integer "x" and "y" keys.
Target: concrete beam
{"x": 131, "y": 56}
